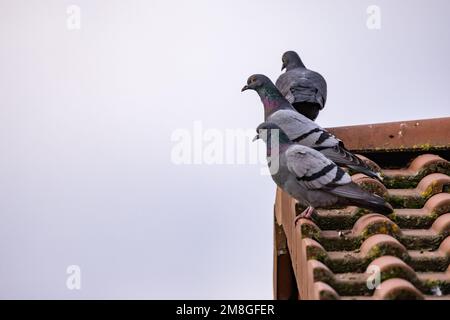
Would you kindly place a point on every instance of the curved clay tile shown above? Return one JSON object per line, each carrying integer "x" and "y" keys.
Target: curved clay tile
{"x": 442, "y": 224}
{"x": 439, "y": 203}
{"x": 423, "y": 163}
{"x": 445, "y": 246}
{"x": 432, "y": 184}
{"x": 380, "y": 244}
{"x": 375, "y": 223}
{"x": 370, "y": 184}
{"x": 372, "y": 164}
{"x": 391, "y": 266}
{"x": 313, "y": 249}
{"x": 397, "y": 289}
{"x": 323, "y": 291}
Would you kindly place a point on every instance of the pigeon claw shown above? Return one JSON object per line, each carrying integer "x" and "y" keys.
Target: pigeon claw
{"x": 305, "y": 214}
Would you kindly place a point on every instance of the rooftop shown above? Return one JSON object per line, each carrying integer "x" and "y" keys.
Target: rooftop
{"x": 341, "y": 253}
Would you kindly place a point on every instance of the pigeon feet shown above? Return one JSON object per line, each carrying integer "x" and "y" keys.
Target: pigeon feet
{"x": 305, "y": 214}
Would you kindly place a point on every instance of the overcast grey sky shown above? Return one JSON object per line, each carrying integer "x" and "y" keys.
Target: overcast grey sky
{"x": 86, "y": 119}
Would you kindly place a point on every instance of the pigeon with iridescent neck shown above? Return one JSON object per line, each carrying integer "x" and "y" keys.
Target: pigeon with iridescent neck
{"x": 308, "y": 176}
{"x": 302, "y": 130}
{"x": 305, "y": 89}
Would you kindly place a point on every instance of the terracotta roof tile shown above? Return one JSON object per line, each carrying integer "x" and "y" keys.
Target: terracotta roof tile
{"x": 334, "y": 255}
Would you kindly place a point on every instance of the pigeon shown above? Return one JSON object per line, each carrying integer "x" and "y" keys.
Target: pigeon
{"x": 311, "y": 178}
{"x": 305, "y": 89}
{"x": 301, "y": 129}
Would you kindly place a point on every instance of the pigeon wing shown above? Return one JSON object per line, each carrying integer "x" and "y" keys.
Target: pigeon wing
{"x": 314, "y": 170}
{"x": 302, "y": 130}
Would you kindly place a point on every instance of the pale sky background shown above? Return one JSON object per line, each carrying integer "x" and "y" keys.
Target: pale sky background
{"x": 86, "y": 118}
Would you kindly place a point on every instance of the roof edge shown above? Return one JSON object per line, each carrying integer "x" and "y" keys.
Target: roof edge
{"x": 412, "y": 135}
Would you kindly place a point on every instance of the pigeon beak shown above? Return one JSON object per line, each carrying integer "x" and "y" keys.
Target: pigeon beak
{"x": 245, "y": 88}
{"x": 255, "y": 138}
{"x": 283, "y": 67}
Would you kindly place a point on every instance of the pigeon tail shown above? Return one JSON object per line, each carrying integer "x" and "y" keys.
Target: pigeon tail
{"x": 376, "y": 204}
{"x": 352, "y": 194}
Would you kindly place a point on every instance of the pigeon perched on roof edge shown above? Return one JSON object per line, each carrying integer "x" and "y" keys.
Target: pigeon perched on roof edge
{"x": 308, "y": 176}
{"x": 305, "y": 89}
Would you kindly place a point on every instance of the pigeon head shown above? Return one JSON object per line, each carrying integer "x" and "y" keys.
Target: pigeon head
{"x": 257, "y": 82}
{"x": 266, "y": 130}
{"x": 291, "y": 60}
{"x": 271, "y": 97}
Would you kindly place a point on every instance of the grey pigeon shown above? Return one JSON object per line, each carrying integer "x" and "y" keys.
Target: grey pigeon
{"x": 308, "y": 176}
{"x": 305, "y": 89}
{"x": 301, "y": 129}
